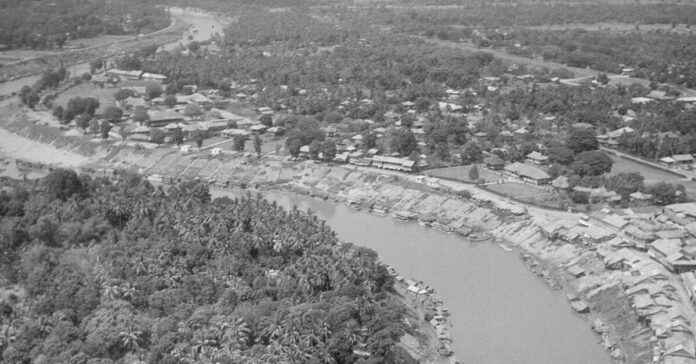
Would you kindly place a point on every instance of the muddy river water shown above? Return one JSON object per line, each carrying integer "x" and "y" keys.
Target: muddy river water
{"x": 501, "y": 313}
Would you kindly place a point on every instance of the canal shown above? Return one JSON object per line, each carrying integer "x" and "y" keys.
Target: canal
{"x": 500, "y": 312}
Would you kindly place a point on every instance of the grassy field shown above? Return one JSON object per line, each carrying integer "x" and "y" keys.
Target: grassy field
{"x": 97, "y": 41}
{"x": 651, "y": 174}
{"x": 530, "y": 194}
{"x": 517, "y": 190}
{"x": 461, "y": 173}
{"x": 104, "y": 95}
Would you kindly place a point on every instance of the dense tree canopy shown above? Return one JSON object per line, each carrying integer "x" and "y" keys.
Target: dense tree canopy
{"x": 115, "y": 270}
{"x": 43, "y": 23}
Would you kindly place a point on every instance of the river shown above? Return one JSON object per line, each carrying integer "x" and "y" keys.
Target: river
{"x": 205, "y": 25}
{"x": 500, "y": 312}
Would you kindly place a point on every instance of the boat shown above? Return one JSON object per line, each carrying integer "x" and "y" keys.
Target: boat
{"x": 380, "y": 209}
{"x": 477, "y": 237}
{"x": 505, "y": 247}
{"x": 463, "y": 231}
{"x": 426, "y": 220}
{"x": 442, "y": 227}
{"x": 579, "y": 306}
{"x": 353, "y": 204}
{"x": 599, "y": 326}
{"x": 553, "y": 284}
{"x": 404, "y": 215}
{"x": 571, "y": 296}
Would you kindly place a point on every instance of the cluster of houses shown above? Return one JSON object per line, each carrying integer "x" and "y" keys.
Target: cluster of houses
{"x": 165, "y": 117}
{"x": 435, "y": 310}
{"x": 656, "y": 251}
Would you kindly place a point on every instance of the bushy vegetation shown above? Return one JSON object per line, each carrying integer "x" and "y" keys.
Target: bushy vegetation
{"x": 44, "y": 23}
{"x": 118, "y": 270}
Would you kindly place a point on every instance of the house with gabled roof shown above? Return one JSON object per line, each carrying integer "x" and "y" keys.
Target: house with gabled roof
{"x": 528, "y": 173}
{"x": 537, "y": 158}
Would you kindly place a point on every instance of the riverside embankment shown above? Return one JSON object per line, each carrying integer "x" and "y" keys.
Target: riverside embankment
{"x": 500, "y": 313}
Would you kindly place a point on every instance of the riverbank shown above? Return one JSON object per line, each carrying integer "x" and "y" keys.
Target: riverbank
{"x": 445, "y": 204}
{"x": 367, "y": 189}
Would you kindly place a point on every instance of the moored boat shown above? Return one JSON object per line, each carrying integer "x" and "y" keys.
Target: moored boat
{"x": 579, "y": 306}
{"x": 442, "y": 227}
{"x": 463, "y": 231}
{"x": 477, "y": 237}
{"x": 404, "y": 215}
{"x": 426, "y": 220}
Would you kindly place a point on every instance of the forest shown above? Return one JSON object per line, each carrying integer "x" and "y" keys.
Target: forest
{"x": 43, "y": 24}
{"x": 659, "y": 55}
{"x": 114, "y": 270}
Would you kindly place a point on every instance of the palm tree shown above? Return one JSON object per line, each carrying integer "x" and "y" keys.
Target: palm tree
{"x": 128, "y": 291}
{"x": 110, "y": 290}
{"x": 130, "y": 339}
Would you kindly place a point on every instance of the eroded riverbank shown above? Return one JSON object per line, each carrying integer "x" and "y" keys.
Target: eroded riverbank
{"x": 500, "y": 312}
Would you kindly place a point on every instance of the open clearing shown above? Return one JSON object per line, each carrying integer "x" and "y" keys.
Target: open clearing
{"x": 517, "y": 190}
{"x": 652, "y": 175}
{"x": 461, "y": 173}
{"x": 104, "y": 95}
{"x": 529, "y": 194}
{"x": 96, "y": 42}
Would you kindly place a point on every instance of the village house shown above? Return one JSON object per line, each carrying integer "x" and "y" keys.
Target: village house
{"x": 276, "y": 131}
{"x": 330, "y": 131}
{"x": 659, "y": 95}
{"x": 449, "y": 107}
{"x": 610, "y": 221}
{"x": 678, "y": 159}
{"x": 123, "y": 74}
{"x": 341, "y": 158}
{"x": 153, "y": 76}
{"x": 610, "y": 139}
{"x": 232, "y": 132}
{"x": 528, "y": 173}
{"x": 494, "y": 162}
{"x": 640, "y": 197}
{"x": 537, "y": 158}
{"x": 104, "y": 80}
{"x": 361, "y": 162}
{"x": 393, "y": 163}
{"x": 640, "y": 238}
{"x": 596, "y": 235}
{"x": 162, "y": 118}
{"x": 623, "y": 259}
{"x": 196, "y": 98}
{"x": 681, "y": 213}
{"x": 258, "y": 128}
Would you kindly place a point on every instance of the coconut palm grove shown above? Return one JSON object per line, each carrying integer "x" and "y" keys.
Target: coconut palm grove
{"x": 116, "y": 270}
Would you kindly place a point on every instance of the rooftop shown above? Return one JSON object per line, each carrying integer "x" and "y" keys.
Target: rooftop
{"x": 525, "y": 170}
